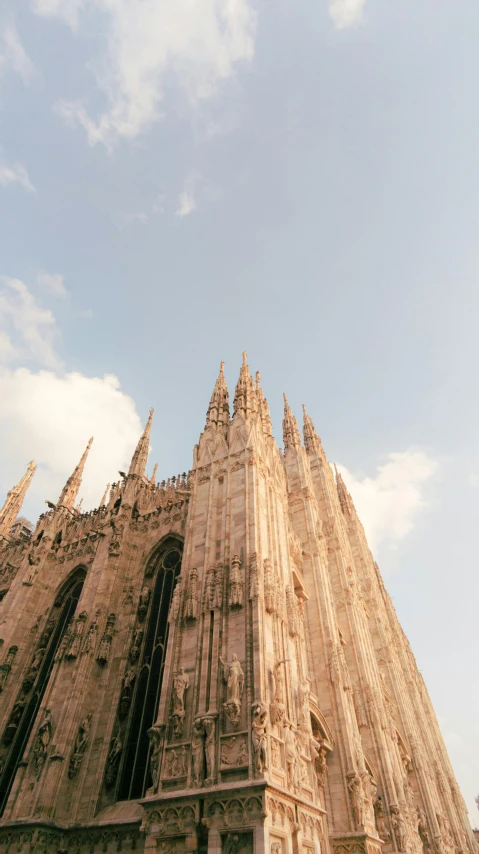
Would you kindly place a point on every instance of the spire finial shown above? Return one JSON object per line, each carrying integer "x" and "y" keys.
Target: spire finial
{"x": 69, "y": 492}
{"x": 218, "y": 413}
{"x": 138, "y": 461}
{"x": 291, "y": 436}
{"x": 312, "y": 442}
{"x": 104, "y": 500}
{"x": 14, "y": 500}
{"x": 263, "y": 407}
{"x": 245, "y": 400}
{"x": 153, "y": 476}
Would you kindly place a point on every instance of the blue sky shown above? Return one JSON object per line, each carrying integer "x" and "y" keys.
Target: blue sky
{"x": 300, "y": 180}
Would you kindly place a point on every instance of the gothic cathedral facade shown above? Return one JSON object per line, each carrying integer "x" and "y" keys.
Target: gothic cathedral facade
{"x": 212, "y": 665}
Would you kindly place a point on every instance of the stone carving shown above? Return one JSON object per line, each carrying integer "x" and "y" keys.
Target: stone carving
{"x": 42, "y": 741}
{"x": 209, "y": 589}
{"x": 126, "y": 692}
{"x": 292, "y": 612}
{"x": 14, "y": 720}
{"x": 65, "y": 641}
{"x": 275, "y": 753}
{"x": 276, "y": 847}
{"x": 73, "y": 649}
{"x": 357, "y": 800}
{"x": 209, "y": 724}
{"x": 269, "y": 591}
{"x": 113, "y": 760}
{"x": 156, "y": 734}
{"x": 175, "y": 604}
{"x": 381, "y": 824}
{"x": 32, "y": 671}
{"x": 218, "y": 587}
{"x": 234, "y": 751}
{"x": 106, "y": 640}
{"x": 80, "y": 746}
{"x": 359, "y": 707}
{"x": 303, "y": 696}
{"x": 181, "y": 683}
{"x": 176, "y": 763}
{"x": 422, "y": 828}
{"x": 259, "y": 738}
{"x": 198, "y": 751}
{"x": 399, "y": 827}
{"x": 136, "y": 644}
{"x": 191, "y": 600}
{"x": 7, "y": 666}
{"x": 319, "y": 753}
{"x": 253, "y": 577}
{"x": 47, "y": 633}
{"x": 90, "y": 640}
{"x": 236, "y": 584}
{"x": 234, "y": 677}
{"x": 143, "y": 603}
{"x": 292, "y": 753}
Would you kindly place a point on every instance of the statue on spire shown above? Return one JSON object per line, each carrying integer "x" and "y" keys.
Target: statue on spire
{"x": 69, "y": 492}
{"x": 140, "y": 457}
{"x": 14, "y": 501}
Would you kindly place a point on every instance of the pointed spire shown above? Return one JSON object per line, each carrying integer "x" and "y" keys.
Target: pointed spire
{"x": 345, "y": 499}
{"x": 312, "y": 442}
{"x": 69, "y": 492}
{"x": 14, "y": 501}
{"x": 104, "y": 500}
{"x": 79, "y": 507}
{"x": 245, "y": 400}
{"x": 138, "y": 462}
{"x": 263, "y": 407}
{"x": 219, "y": 409}
{"x": 153, "y": 476}
{"x": 291, "y": 435}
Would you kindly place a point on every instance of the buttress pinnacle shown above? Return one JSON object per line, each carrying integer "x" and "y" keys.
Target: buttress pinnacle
{"x": 312, "y": 442}
{"x": 14, "y": 500}
{"x": 263, "y": 407}
{"x": 345, "y": 499}
{"x": 291, "y": 435}
{"x": 245, "y": 400}
{"x": 218, "y": 412}
{"x": 69, "y": 492}
{"x": 140, "y": 457}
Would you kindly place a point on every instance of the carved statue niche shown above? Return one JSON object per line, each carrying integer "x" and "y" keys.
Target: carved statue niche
{"x": 47, "y": 633}
{"x": 14, "y": 720}
{"x": 381, "y": 824}
{"x": 236, "y": 584}
{"x": 399, "y": 827}
{"x": 7, "y": 666}
{"x": 73, "y": 649}
{"x": 234, "y": 677}
{"x": 209, "y": 593}
{"x": 175, "y": 604}
{"x": 218, "y": 587}
{"x": 156, "y": 734}
{"x": 113, "y": 759}
{"x": 422, "y": 828}
{"x": 209, "y": 724}
{"x": 191, "y": 601}
{"x": 90, "y": 639}
{"x": 292, "y": 753}
{"x": 32, "y": 671}
{"x": 357, "y": 803}
{"x": 259, "y": 739}
{"x": 80, "y": 746}
{"x": 198, "y": 752}
{"x": 269, "y": 592}
{"x": 42, "y": 741}
{"x": 253, "y": 577}
{"x": 136, "y": 644}
{"x": 104, "y": 647}
{"x": 359, "y": 707}
{"x": 143, "y": 603}
{"x": 126, "y": 692}
{"x": 181, "y": 683}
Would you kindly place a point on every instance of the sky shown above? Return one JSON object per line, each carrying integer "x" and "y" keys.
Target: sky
{"x": 182, "y": 180}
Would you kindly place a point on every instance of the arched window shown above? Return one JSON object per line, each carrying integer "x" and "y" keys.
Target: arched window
{"x": 164, "y": 567}
{"x": 22, "y": 718}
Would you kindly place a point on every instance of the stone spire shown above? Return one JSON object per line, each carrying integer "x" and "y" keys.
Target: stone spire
{"x": 345, "y": 499}
{"x": 104, "y": 500}
{"x": 153, "y": 476}
{"x": 14, "y": 501}
{"x": 312, "y": 442}
{"x": 219, "y": 409}
{"x": 263, "y": 407}
{"x": 246, "y": 401}
{"x": 69, "y": 492}
{"x": 291, "y": 435}
{"x": 138, "y": 462}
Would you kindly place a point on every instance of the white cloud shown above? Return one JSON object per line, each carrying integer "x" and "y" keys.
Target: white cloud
{"x": 14, "y": 56}
{"x": 389, "y": 503}
{"x": 186, "y": 203}
{"x": 199, "y": 42}
{"x": 346, "y": 13}
{"x": 27, "y": 330}
{"x": 53, "y": 283}
{"x": 50, "y": 418}
{"x": 15, "y": 173}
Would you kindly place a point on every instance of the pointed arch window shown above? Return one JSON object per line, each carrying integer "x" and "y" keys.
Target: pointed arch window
{"x": 14, "y": 738}
{"x": 164, "y": 566}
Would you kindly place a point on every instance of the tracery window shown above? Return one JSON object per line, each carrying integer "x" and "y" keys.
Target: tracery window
{"x": 164, "y": 568}
{"x": 22, "y": 717}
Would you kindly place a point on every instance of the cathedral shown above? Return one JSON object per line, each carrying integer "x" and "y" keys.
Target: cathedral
{"x": 212, "y": 665}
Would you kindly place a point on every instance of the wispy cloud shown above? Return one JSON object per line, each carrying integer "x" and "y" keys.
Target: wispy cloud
{"x": 186, "y": 203}
{"x": 14, "y": 56}
{"x": 53, "y": 283}
{"x": 388, "y": 504}
{"x": 27, "y": 331}
{"x": 201, "y": 43}
{"x": 15, "y": 173}
{"x": 346, "y": 13}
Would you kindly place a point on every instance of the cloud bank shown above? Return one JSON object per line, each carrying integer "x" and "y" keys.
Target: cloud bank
{"x": 346, "y": 13}
{"x": 15, "y": 173}
{"x": 146, "y": 42}
{"x": 389, "y": 503}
